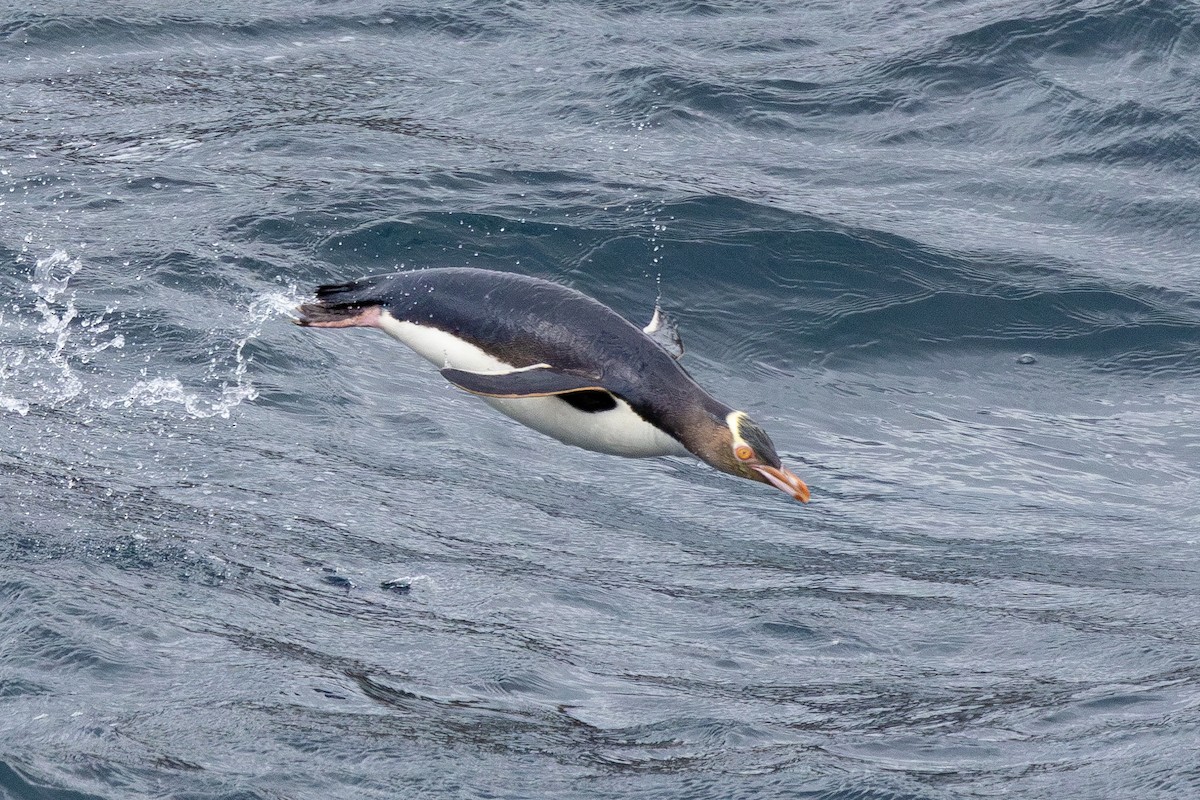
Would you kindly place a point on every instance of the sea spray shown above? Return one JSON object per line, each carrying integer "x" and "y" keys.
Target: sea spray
{"x": 234, "y": 390}
{"x": 43, "y": 348}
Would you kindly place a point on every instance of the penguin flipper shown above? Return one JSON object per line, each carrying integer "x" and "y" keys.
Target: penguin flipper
{"x": 665, "y": 333}
{"x": 540, "y": 380}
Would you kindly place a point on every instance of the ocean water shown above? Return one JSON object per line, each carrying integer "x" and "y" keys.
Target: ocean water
{"x": 947, "y": 253}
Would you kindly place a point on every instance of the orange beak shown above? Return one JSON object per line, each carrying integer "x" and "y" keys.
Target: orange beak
{"x": 784, "y": 481}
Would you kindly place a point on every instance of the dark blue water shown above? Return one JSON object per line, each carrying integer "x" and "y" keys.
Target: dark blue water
{"x": 946, "y": 252}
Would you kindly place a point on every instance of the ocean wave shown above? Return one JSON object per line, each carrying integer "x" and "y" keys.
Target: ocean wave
{"x": 785, "y": 286}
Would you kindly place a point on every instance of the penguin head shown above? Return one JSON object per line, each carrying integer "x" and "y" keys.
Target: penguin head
{"x": 741, "y": 447}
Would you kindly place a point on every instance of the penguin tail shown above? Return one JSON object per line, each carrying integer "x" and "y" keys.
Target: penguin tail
{"x": 340, "y": 305}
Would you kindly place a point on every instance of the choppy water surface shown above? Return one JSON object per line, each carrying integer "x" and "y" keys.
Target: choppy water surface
{"x": 946, "y": 252}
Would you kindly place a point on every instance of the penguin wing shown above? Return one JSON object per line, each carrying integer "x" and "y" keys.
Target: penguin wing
{"x": 665, "y": 333}
{"x": 539, "y": 380}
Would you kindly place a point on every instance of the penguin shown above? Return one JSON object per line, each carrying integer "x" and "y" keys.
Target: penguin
{"x": 559, "y": 362}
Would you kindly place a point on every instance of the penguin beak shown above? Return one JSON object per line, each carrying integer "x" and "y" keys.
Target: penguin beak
{"x": 783, "y": 480}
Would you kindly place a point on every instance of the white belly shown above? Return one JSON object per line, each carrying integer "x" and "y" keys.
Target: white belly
{"x": 619, "y": 431}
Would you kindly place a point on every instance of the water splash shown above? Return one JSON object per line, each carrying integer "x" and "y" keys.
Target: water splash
{"x": 13, "y": 405}
{"x": 232, "y": 393}
{"x": 41, "y": 354}
{"x": 10, "y": 362}
{"x": 37, "y": 364}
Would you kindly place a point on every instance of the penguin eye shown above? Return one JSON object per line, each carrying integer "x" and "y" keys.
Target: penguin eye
{"x": 743, "y": 452}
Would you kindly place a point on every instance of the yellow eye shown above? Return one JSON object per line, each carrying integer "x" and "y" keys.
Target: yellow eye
{"x": 743, "y": 452}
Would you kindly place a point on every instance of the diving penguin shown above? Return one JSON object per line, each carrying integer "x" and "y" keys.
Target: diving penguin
{"x": 559, "y": 362}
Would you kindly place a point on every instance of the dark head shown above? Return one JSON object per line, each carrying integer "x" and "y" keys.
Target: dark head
{"x": 739, "y": 446}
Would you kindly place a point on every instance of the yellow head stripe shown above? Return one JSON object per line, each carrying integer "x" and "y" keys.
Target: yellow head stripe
{"x": 734, "y": 420}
